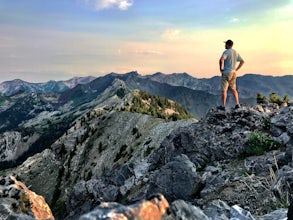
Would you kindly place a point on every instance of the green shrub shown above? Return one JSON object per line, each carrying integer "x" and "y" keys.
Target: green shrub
{"x": 260, "y": 99}
{"x": 257, "y": 143}
{"x": 273, "y": 98}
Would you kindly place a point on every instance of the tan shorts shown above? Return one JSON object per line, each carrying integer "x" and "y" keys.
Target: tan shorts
{"x": 228, "y": 81}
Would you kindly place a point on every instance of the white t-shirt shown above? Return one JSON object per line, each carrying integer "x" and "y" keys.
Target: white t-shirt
{"x": 231, "y": 57}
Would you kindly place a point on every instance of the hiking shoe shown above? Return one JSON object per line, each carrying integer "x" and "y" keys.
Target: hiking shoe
{"x": 237, "y": 106}
{"x": 221, "y": 108}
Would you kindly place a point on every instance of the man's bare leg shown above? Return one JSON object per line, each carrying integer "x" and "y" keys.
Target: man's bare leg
{"x": 235, "y": 94}
{"x": 224, "y": 98}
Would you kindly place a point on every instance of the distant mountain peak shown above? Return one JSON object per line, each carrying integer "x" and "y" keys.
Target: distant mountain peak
{"x": 71, "y": 83}
{"x": 132, "y": 73}
{"x": 17, "y": 80}
{"x": 159, "y": 74}
{"x": 181, "y": 74}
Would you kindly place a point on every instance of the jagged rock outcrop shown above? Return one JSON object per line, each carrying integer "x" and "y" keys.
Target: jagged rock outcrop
{"x": 18, "y": 202}
{"x": 199, "y": 163}
{"x": 181, "y": 172}
{"x": 40, "y": 172}
{"x": 197, "y": 166}
{"x": 13, "y": 145}
{"x": 154, "y": 208}
{"x": 114, "y": 164}
{"x": 86, "y": 195}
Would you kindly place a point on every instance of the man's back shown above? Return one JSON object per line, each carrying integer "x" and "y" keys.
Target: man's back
{"x": 230, "y": 59}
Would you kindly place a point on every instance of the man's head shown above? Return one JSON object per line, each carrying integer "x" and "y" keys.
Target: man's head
{"x": 228, "y": 44}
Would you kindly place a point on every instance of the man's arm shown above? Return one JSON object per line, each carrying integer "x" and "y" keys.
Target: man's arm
{"x": 221, "y": 63}
{"x": 240, "y": 65}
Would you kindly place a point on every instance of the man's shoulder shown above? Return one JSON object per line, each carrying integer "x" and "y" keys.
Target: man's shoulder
{"x": 234, "y": 50}
{"x": 229, "y": 51}
{"x": 225, "y": 52}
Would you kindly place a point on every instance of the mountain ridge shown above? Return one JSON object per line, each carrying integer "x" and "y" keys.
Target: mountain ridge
{"x": 248, "y": 85}
{"x": 13, "y": 86}
{"x": 32, "y": 117}
{"x": 195, "y": 95}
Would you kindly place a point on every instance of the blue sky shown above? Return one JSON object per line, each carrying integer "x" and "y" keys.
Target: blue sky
{"x": 60, "y": 39}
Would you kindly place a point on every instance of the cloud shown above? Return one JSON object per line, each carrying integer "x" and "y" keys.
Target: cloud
{"x": 148, "y": 52}
{"x": 234, "y": 20}
{"x": 171, "y": 34}
{"x": 106, "y": 4}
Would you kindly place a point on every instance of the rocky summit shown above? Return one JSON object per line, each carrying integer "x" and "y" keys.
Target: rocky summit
{"x": 117, "y": 164}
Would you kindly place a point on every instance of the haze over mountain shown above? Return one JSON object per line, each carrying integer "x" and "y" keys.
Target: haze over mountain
{"x": 248, "y": 85}
{"x": 196, "y": 95}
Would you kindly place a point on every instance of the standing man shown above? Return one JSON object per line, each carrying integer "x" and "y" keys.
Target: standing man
{"x": 227, "y": 63}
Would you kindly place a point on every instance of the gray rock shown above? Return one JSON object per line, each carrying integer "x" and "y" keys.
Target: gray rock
{"x": 185, "y": 211}
{"x": 217, "y": 210}
{"x": 182, "y": 174}
{"x": 18, "y": 202}
{"x": 289, "y": 151}
{"x": 284, "y": 138}
{"x": 283, "y": 184}
{"x": 212, "y": 182}
{"x": 290, "y": 129}
{"x": 260, "y": 165}
{"x": 280, "y": 214}
{"x": 276, "y": 131}
{"x": 156, "y": 207}
{"x": 86, "y": 195}
{"x": 237, "y": 213}
{"x": 283, "y": 122}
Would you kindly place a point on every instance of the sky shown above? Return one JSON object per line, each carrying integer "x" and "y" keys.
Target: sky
{"x": 60, "y": 39}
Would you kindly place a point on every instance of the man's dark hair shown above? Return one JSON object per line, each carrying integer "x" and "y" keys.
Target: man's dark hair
{"x": 229, "y": 42}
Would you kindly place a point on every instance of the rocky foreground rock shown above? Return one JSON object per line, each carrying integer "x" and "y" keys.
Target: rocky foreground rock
{"x": 178, "y": 170}
{"x": 18, "y": 202}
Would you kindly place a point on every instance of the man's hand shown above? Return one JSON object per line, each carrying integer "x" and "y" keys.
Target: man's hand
{"x": 240, "y": 65}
